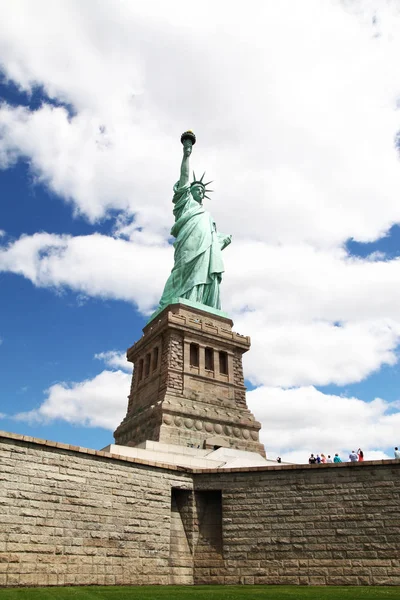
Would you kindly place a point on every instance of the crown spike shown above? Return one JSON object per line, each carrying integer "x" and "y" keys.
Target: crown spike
{"x": 208, "y": 182}
{"x": 205, "y": 196}
{"x": 201, "y": 180}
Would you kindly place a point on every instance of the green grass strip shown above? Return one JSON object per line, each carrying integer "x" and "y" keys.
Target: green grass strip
{"x": 204, "y": 592}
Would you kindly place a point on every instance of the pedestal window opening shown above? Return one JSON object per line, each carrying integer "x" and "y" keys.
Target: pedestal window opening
{"x": 209, "y": 359}
{"x": 155, "y": 358}
{"x": 147, "y": 365}
{"x": 194, "y": 355}
{"x": 223, "y": 363}
{"x": 140, "y": 370}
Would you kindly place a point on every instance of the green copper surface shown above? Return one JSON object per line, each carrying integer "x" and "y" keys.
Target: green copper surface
{"x": 197, "y": 272}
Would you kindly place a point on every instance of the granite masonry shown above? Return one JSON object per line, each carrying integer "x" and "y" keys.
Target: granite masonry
{"x": 188, "y": 385}
{"x": 73, "y": 516}
{"x": 186, "y": 495}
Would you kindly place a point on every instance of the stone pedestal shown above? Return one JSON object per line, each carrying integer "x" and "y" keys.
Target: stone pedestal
{"x": 187, "y": 385}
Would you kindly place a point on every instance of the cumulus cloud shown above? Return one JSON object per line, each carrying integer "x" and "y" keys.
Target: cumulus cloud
{"x": 115, "y": 359}
{"x": 94, "y": 265}
{"x": 305, "y": 137}
{"x": 292, "y": 281}
{"x": 295, "y": 422}
{"x": 314, "y": 316}
{"x": 318, "y": 352}
{"x": 97, "y": 402}
{"x": 302, "y": 420}
{"x": 296, "y": 116}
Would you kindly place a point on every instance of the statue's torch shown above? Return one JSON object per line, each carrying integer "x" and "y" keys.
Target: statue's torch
{"x": 188, "y": 138}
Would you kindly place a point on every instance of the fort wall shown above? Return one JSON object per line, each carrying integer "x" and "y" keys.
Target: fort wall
{"x": 73, "y": 516}
{"x": 309, "y": 525}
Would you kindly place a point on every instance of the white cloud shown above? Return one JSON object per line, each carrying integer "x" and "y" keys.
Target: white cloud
{"x": 295, "y": 422}
{"x": 97, "y": 402}
{"x": 316, "y": 166}
{"x": 317, "y": 352}
{"x": 296, "y": 111}
{"x": 94, "y": 265}
{"x": 299, "y": 421}
{"x": 82, "y": 165}
{"x": 114, "y": 359}
{"x": 314, "y": 316}
{"x": 293, "y": 282}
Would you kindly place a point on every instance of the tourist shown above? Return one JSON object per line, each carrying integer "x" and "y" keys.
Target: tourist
{"x": 396, "y": 452}
{"x": 329, "y": 459}
{"x": 337, "y": 458}
{"x": 323, "y": 458}
{"x": 360, "y": 454}
{"x": 312, "y": 460}
{"x": 278, "y": 459}
{"x": 318, "y": 459}
{"x": 353, "y": 456}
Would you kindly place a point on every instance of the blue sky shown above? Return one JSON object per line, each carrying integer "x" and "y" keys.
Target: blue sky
{"x": 296, "y": 115}
{"x": 50, "y": 336}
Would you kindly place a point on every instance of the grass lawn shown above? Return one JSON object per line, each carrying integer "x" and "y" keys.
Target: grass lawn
{"x": 204, "y": 592}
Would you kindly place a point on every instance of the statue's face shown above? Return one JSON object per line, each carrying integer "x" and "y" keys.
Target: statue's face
{"x": 198, "y": 193}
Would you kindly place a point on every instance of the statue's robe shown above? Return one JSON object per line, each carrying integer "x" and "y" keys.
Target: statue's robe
{"x": 198, "y": 265}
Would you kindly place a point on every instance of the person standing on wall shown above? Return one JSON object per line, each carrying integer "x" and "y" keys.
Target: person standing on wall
{"x": 353, "y": 456}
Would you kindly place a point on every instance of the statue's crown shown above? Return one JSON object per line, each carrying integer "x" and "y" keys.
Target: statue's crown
{"x": 200, "y": 182}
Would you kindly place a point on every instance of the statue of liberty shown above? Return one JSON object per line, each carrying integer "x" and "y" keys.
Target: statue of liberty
{"x": 198, "y": 266}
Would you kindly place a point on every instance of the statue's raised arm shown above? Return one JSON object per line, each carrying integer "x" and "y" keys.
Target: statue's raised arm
{"x": 198, "y": 266}
{"x": 188, "y": 139}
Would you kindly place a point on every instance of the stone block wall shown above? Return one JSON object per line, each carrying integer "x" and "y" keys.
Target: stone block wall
{"x": 308, "y": 525}
{"x": 181, "y": 537}
{"x": 196, "y": 536}
{"x": 179, "y": 397}
{"x": 208, "y": 559}
{"x": 70, "y": 516}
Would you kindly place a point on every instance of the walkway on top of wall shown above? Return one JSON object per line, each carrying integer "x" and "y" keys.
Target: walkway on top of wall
{"x": 5, "y": 435}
